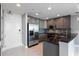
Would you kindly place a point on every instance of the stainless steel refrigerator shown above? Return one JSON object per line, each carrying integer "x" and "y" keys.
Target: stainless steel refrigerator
{"x": 32, "y": 34}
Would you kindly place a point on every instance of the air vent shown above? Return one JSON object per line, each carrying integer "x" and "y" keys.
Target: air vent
{"x": 76, "y": 12}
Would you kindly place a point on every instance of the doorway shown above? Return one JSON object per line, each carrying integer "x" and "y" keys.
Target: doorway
{"x": 12, "y": 30}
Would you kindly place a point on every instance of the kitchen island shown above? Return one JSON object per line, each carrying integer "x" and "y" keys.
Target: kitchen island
{"x": 61, "y": 49}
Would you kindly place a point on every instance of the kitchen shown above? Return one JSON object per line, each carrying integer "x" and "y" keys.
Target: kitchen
{"x": 52, "y": 31}
{"x": 28, "y": 27}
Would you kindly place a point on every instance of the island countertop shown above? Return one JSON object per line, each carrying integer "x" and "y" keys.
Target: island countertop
{"x": 66, "y": 40}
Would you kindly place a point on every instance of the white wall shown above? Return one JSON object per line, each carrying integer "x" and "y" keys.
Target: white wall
{"x": 12, "y": 35}
{"x": 24, "y": 30}
{"x": 75, "y": 27}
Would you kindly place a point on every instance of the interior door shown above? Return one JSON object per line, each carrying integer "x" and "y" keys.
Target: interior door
{"x": 12, "y": 31}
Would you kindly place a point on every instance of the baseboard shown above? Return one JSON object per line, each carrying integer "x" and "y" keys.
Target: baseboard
{"x": 5, "y": 49}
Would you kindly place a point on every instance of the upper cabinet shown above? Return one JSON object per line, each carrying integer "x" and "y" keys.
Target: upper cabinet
{"x": 43, "y": 24}
{"x": 32, "y": 20}
{"x": 59, "y": 22}
{"x": 62, "y": 22}
{"x": 67, "y": 22}
{"x": 51, "y": 22}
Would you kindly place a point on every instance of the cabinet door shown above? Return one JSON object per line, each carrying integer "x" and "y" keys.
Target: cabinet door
{"x": 67, "y": 22}
{"x": 41, "y": 24}
{"x": 50, "y": 22}
{"x": 59, "y": 23}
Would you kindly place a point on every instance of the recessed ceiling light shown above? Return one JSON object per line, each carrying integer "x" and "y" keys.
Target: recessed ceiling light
{"x": 77, "y": 18}
{"x": 36, "y": 14}
{"x": 18, "y": 5}
{"x": 49, "y": 8}
{"x": 78, "y": 5}
{"x": 58, "y": 14}
{"x": 46, "y": 17}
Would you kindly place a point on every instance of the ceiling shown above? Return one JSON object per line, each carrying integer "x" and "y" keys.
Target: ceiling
{"x": 42, "y": 8}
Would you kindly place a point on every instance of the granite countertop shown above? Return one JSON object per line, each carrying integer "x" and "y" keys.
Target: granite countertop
{"x": 68, "y": 39}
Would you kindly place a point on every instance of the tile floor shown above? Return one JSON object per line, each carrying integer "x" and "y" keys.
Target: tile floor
{"x": 21, "y": 51}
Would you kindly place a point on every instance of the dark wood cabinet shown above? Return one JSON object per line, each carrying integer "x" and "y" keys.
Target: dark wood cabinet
{"x": 67, "y": 22}
{"x": 59, "y": 23}
{"x": 51, "y": 22}
{"x": 62, "y": 22}
{"x": 61, "y": 29}
{"x": 43, "y": 37}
